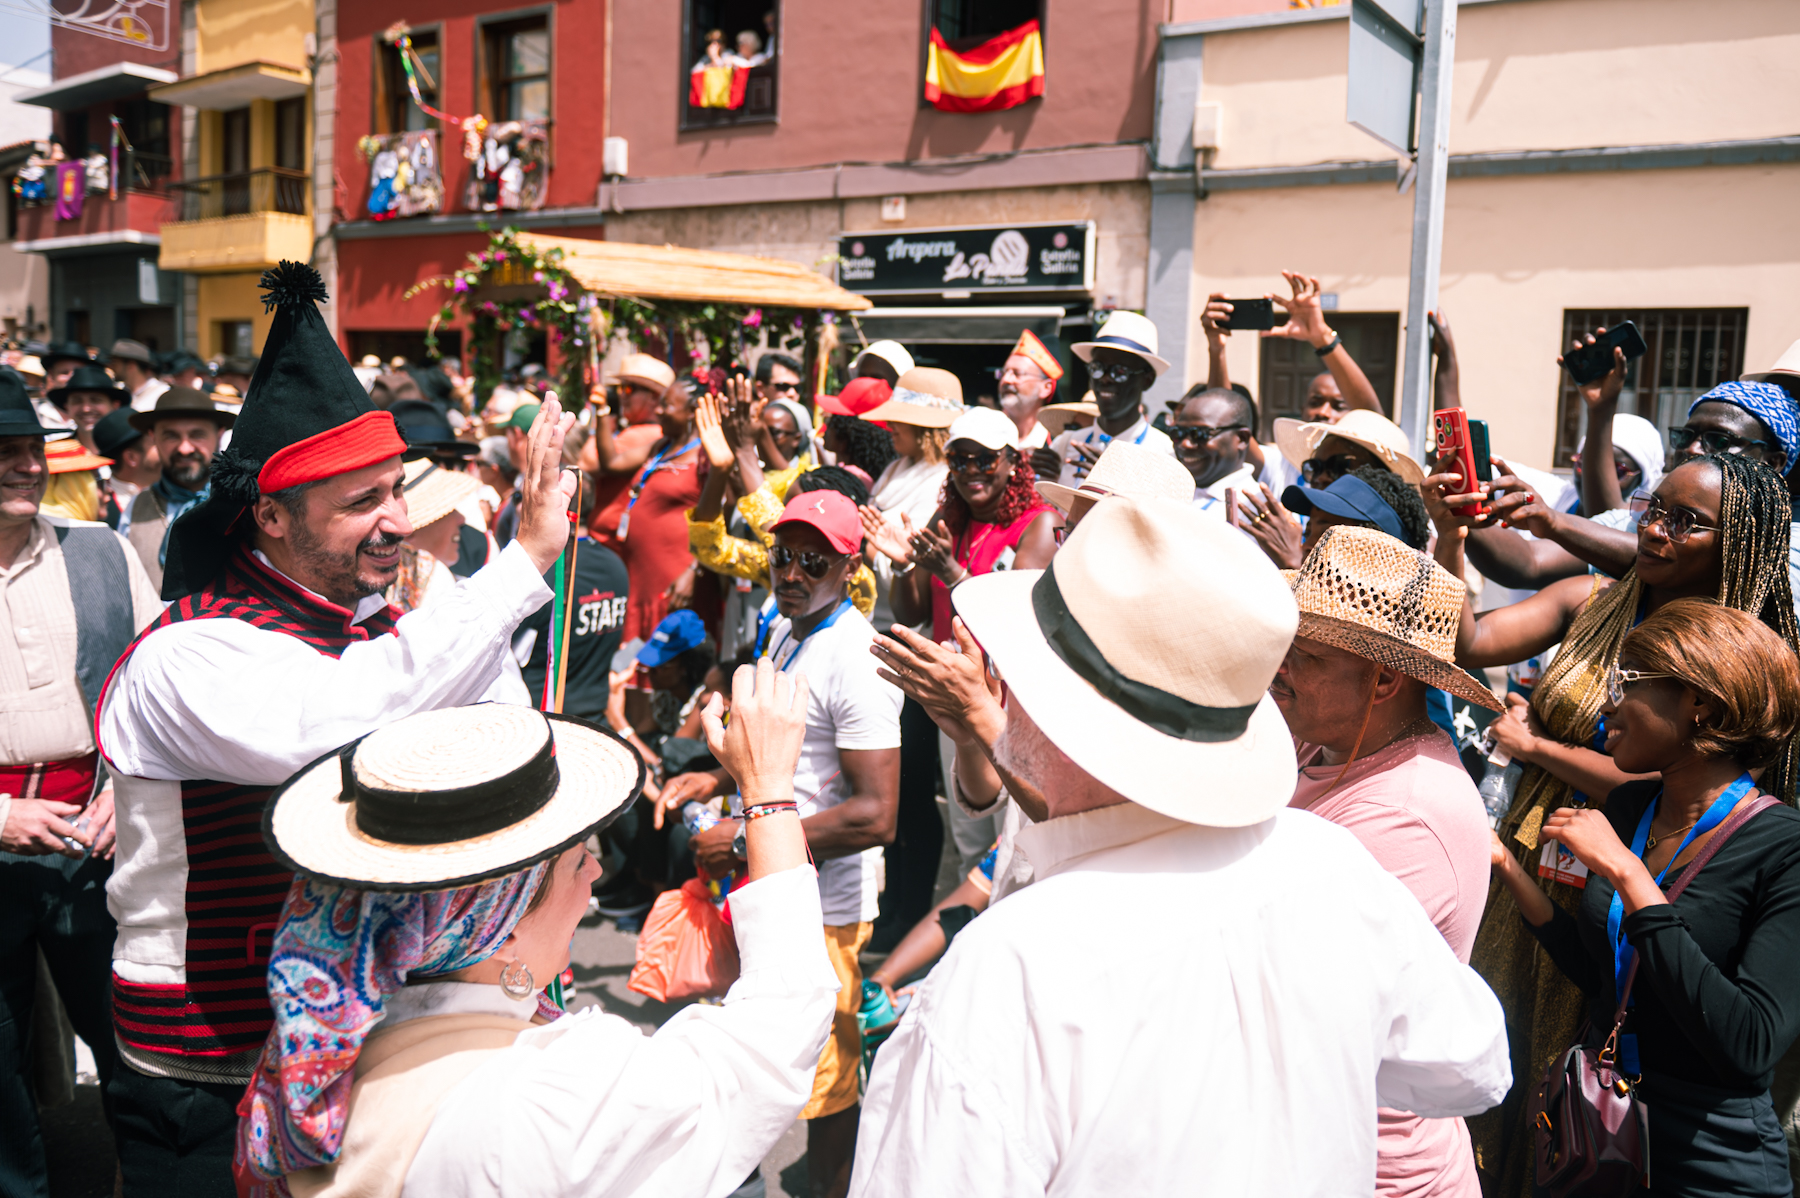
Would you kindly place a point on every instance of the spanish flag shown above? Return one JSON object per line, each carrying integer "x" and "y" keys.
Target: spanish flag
{"x": 1002, "y": 73}
{"x": 717, "y": 87}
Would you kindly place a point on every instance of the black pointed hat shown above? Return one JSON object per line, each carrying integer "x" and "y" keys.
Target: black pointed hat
{"x": 306, "y": 418}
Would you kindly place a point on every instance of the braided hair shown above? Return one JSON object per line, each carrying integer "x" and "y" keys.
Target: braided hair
{"x": 862, "y": 444}
{"x": 1020, "y": 496}
{"x": 833, "y": 478}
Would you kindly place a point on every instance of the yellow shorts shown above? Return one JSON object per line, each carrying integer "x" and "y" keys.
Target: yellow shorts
{"x": 836, "y": 1086}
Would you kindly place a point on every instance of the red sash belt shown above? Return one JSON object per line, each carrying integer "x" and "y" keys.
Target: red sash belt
{"x": 70, "y": 781}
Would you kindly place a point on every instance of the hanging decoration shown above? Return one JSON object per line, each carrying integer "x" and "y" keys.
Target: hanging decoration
{"x": 473, "y": 127}
{"x": 403, "y": 174}
{"x": 117, "y": 139}
{"x": 71, "y": 189}
{"x": 508, "y": 174}
{"x": 1003, "y": 72}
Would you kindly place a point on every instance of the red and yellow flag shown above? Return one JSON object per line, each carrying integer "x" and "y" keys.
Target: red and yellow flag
{"x": 717, "y": 87}
{"x": 1001, "y": 73}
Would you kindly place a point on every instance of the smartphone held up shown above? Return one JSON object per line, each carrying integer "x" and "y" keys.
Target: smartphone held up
{"x": 1591, "y": 362}
{"x": 1468, "y": 440}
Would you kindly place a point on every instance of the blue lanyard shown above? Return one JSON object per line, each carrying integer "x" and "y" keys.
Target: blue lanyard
{"x": 1615, "y": 914}
{"x": 1106, "y": 438}
{"x": 656, "y": 463}
{"x": 842, "y": 607}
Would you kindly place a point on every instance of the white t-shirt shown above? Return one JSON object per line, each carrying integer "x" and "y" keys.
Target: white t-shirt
{"x": 848, "y": 706}
{"x": 1211, "y": 499}
{"x": 1141, "y": 433}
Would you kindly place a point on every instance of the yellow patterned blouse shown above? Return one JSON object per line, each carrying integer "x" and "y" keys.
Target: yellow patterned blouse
{"x": 723, "y": 553}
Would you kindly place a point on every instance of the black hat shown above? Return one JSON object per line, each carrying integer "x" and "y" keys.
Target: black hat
{"x": 427, "y": 433}
{"x": 88, "y": 377}
{"x": 17, "y": 417}
{"x": 306, "y": 418}
{"x": 64, "y": 351}
{"x": 114, "y": 434}
{"x": 182, "y": 401}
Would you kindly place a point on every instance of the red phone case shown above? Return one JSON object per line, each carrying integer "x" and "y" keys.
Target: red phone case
{"x": 1453, "y": 433}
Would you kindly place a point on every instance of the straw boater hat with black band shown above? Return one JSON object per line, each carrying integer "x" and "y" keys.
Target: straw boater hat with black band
{"x": 1369, "y": 594}
{"x": 1102, "y": 650}
{"x": 449, "y": 798}
{"x": 306, "y": 419}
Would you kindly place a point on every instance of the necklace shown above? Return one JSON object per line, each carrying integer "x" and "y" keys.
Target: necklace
{"x": 1651, "y": 840}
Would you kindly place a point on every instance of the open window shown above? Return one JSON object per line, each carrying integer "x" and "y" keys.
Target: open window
{"x": 731, "y": 62}
{"x": 966, "y": 24}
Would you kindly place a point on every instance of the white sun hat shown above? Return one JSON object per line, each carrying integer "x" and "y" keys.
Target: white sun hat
{"x": 1298, "y": 440}
{"x": 1127, "y": 331}
{"x": 1128, "y": 470}
{"x": 1145, "y": 652}
{"x": 448, "y": 798}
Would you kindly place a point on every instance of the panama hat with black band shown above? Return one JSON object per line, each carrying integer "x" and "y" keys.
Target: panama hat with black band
{"x": 1127, "y": 331}
{"x": 1103, "y": 652}
{"x": 447, "y": 798}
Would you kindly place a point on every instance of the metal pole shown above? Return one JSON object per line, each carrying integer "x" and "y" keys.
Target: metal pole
{"x": 1428, "y": 214}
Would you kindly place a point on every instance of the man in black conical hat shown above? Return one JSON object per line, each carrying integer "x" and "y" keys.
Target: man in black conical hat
{"x": 278, "y": 649}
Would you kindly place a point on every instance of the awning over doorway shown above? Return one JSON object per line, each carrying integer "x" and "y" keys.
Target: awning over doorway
{"x": 671, "y": 272}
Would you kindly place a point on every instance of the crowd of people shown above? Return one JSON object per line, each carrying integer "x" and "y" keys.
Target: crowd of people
{"x": 306, "y": 792}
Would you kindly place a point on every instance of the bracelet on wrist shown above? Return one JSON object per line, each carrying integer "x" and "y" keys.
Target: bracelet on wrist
{"x": 1337, "y": 340}
{"x": 758, "y": 810}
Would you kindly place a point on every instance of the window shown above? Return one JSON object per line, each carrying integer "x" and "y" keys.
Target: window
{"x": 234, "y": 163}
{"x": 730, "y": 63}
{"x": 290, "y": 133}
{"x": 1689, "y": 351}
{"x": 518, "y": 70}
{"x": 395, "y": 111}
{"x": 146, "y": 125}
{"x": 237, "y": 338}
{"x": 965, "y": 24}
{"x": 1289, "y": 365}
{"x": 75, "y": 134}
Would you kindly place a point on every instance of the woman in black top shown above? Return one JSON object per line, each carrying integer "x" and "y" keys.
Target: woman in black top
{"x": 1705, "y": 696}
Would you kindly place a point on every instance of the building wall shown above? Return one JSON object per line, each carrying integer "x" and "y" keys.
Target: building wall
{"x": 233, "y": 32}
{"x": 229, "y": 297}
{"x": 76, "y": 51}
{"x": 851, "y": 88}
{"x": 1517, "y": 252}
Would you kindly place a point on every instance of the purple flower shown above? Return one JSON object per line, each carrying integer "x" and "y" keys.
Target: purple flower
{"x": 753, "y": 319}
{"x": 462, "y": 285}
{"x": 558, "y": 291}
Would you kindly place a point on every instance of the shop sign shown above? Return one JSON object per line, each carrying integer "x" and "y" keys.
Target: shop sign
{"x": 996, "y": 258}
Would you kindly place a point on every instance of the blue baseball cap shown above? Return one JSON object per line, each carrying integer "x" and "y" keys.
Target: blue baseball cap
{"x": 1348, "y": 498}
{"x": 678, "y": 632}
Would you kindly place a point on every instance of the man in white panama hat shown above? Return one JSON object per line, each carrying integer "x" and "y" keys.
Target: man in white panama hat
{"x": 1201, "y": 986}
{"x": 1354, "y": 689}
{"x": 1122, "y": 363}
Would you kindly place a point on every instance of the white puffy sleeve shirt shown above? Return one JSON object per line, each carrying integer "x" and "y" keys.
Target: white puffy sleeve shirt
{"x": 589, "y": 1105}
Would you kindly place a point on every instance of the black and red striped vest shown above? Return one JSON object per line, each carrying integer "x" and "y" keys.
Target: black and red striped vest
{"x": 234, "y": 887}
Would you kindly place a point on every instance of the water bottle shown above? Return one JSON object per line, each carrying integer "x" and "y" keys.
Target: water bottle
{"x": 1500, "y": 782}
{"x": 698, "y": 816}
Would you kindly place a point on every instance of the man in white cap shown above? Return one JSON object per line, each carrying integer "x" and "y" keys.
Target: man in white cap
{"x": 1201, "y": 987}
{"x": 884, "y": 360}
{"x": 1122, "y": 363}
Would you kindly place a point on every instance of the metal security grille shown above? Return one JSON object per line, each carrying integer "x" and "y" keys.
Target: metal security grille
{"x": 1691, "y": 350}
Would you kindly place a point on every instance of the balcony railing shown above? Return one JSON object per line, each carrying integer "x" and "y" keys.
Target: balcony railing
{"x": 269, "y": 189}
{"x": 139, "y": 170}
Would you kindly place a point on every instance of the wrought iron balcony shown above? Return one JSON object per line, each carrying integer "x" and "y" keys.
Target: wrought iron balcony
{"x": 267, "y": 189}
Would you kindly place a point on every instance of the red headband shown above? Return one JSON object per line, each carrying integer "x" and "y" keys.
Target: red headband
{"x": 370, "y": 438}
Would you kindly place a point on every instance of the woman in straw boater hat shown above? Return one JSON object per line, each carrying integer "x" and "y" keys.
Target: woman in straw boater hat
{"x": 441, "y": 870}
{"x": 917, "y": 416}
{"x": 1717, "y": 528}
{"x": 1324, "y": 451}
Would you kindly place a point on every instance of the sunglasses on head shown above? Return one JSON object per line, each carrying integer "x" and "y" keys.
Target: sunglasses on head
{"x": 983, "y": 462}
{"x": 1711, "y": 441}
{"x": 1199, "y": 434}
{"x": 814, "y": 565}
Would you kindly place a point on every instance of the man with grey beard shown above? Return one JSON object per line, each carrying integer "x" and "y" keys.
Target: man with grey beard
{"x": 1179, "y": 911}
{"x": 184, "y": 428}
{"x": 1028, "y": 381}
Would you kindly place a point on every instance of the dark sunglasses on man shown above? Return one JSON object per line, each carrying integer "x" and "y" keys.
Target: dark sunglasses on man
{"x": 1117, "y": 371}
{"x": 814, "y": 565}
{"x": 1200, "y": 434}
{"x": 1711, "y": 441}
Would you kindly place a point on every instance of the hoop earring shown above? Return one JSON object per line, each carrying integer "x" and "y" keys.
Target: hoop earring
{"x": 516, "y": 981}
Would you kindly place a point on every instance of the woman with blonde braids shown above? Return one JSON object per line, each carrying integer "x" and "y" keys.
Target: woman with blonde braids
{"x": 1716, "y": 529}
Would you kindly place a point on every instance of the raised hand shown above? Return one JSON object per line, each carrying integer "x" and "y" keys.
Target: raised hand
{"x": 712, "y": 434}
{"x": 545, "y": 488}
{"x": 760, "y": 749}
{"x": 1215, "y": 317}
{"x": 1305, "y": 313}
{"x": 1275, "y": 529}
{"x": 1601, "y": 394}
{"x": 933, "y": 550}
{"x": 881, "y": 535}
{"x": 952, "y": 685}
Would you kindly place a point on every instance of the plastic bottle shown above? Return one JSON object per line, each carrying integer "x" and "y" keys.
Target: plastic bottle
{"x": 698, "y": 816}
{"x": 1500, "y": 782}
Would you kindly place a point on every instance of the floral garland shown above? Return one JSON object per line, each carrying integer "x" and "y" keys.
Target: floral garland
{"x": 576, "y": 322}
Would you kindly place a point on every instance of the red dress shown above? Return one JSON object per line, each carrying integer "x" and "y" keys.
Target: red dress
{"x": 655, "y": 546}
{"x": 979, "y": 550}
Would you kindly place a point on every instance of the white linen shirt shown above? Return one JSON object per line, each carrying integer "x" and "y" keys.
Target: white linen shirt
{"x": 1170, "y": 1008}
{"x": 1142, "y": 433}
{"x": 589, "y": 1105}
{"x": 221, "y": 699}
{"x": 1211, "y": 499}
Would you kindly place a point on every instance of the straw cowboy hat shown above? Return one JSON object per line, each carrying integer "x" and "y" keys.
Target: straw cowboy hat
{"x": 1368, "y": 594}
{"x": 1299, "y": 440}
{"x": 642, "y": 370}
{"x": 69, "y": 455}
{"x": 1127, "y": 470}
{"x": 433, "y": 492}
{"x": 925, "y": 396}
{"x": 1127, "y": 331}
{"x": 1056, "y": 417}
{"x": 1785, "y": 371}
{"x": 1104, "y": 652}
{"x": 452, "y": 797}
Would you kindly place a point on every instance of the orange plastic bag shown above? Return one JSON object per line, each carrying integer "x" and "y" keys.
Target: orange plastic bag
{"x": 685, "y": 950}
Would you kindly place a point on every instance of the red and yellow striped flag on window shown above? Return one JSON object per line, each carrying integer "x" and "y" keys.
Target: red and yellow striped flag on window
{"x": 1001, "y": 73}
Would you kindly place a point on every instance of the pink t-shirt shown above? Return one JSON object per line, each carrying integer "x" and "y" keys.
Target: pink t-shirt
{"x": 1414, "y": 808}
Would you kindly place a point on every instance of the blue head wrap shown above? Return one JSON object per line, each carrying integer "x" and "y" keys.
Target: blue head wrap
{"x": 1769, "y": 404}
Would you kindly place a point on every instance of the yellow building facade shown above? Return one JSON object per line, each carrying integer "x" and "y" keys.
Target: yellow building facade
{"x": 246, "y": 202}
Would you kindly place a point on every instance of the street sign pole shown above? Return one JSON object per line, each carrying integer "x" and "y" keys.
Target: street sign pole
{"x": 1437, "y": 62}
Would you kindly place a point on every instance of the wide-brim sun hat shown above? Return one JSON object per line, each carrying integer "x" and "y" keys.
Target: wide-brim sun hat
{"x": 1128, "y": 470}
{"x": 643, "y": 370}
{"x": 1786, "y": 369}
{"x": 433, "y": 491}
{"x": 1298, "y": 440}
{"x": 1126, "y": 331}
{"x": 69, "y": 455}
{"x": 444, "y": 799}
{"x": 1104, "y": 653}
{"x": 1369, "y": 594}
{"x": 925, "y": 397}
{"x": 1056, "y": 417}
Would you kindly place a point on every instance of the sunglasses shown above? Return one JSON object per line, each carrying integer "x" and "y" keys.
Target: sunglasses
{"x": 1318, "y": 471}
{"x": 794, "y": 387}
{"x": 1116, "y": 371}
{"x": 1678, "y": 525}
{"x": 1618, "y": 679}
{"x": 981, "y": 463}
{"x": 814, "y": 565}
{"x": 1711, "y": 441}
{"x": 1199, "y": 434}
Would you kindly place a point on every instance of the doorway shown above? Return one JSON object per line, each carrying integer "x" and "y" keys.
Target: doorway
{"x": 1289, "y": 366}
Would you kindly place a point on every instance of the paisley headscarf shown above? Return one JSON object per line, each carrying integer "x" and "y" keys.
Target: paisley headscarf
{"x": 338, "y": 954}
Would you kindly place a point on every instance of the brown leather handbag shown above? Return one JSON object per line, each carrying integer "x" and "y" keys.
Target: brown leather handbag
{"x": 1593, "y": 1129}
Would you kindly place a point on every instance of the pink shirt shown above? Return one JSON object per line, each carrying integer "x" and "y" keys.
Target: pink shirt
{"x": 1414, "y": 808}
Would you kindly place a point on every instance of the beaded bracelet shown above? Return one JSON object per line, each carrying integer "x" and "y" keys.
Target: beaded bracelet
{"x": 762, "y": 809}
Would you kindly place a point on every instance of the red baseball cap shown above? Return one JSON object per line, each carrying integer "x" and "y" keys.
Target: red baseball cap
{"x": 830, "y": 512}
{"x": 857, "y": 397}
